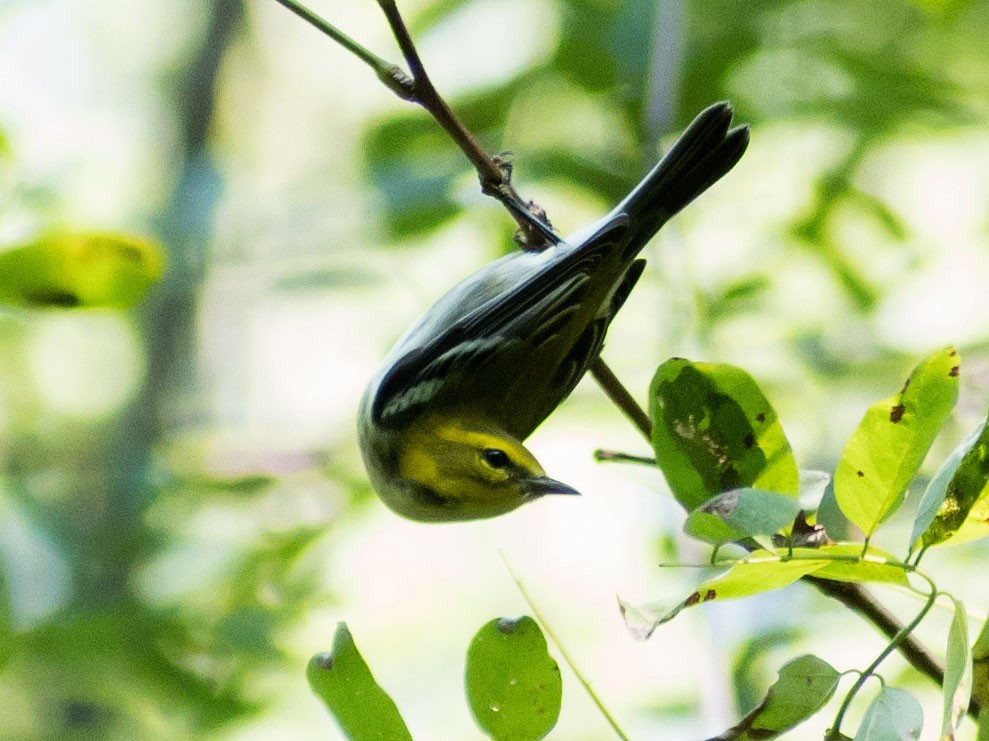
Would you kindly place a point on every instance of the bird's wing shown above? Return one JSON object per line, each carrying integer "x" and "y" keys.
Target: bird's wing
{"x": 531, "y": 313}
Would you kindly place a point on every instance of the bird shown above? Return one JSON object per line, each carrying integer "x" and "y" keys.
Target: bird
{"x": 441, "y": 424}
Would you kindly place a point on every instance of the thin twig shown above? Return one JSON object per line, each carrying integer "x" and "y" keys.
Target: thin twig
{"x": 616, "y": 456}
{"x": 857, "y": 599}
{"x": 621, "y": 397}
{"x": 418, "y": 88}
{"x": 905, "y": 632}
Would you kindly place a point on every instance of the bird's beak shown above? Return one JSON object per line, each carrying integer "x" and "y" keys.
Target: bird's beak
{"x": 542, "y": 485}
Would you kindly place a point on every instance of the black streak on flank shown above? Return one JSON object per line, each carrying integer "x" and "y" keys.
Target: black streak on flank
{"x": 760, "y": 417}
{"x": 896, "y": 413}
{"x": 860, "y": 474}
{"x": 955, "y": 370}
{"x": 749, "y": 441}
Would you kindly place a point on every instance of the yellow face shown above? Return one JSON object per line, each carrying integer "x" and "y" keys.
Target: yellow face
{"x": 449, "y": 470}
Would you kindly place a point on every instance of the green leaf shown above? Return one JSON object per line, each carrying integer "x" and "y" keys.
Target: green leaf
{"x": 714, "y": 430}
{"x": 761, "y": 571}
{"x": 955, "y": 506}
{"x": 957, "y": 685}
{"x": 980, "y": 670}
{"x": 64, "y": 269}
{"x": 513, "y": 684}
{"x": 885, "y": 452}
{"x": 765, "y": 571}
{"x": 874, "y": 566}
{"x": 804, "y": 686}
{"x": 342, "y": 680}
{"x": 741, "y": 513}
{"x": 895, "y": 715}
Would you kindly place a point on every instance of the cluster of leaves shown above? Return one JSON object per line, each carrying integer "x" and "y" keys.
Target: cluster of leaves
{"x": 724, "y": 454}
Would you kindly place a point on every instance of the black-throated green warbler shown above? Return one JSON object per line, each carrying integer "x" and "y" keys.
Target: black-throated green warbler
{"x": 441, "y": 424}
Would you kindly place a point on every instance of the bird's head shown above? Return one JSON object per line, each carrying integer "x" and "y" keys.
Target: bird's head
{"x": 448, "y": 469}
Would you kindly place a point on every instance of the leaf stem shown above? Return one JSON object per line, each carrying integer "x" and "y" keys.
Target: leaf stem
{"x": 621, "y": 397}
{"x": 379, "y": 65}
{"x": 536, "y": 232}
{"x": 835, "y": 732}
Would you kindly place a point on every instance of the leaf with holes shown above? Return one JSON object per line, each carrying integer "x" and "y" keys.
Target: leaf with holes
{"x": 714, "y": 430}
{"x": 884, "y": 453}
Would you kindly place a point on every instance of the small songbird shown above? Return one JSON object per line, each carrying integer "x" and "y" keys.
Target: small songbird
{"x": 442, "y": 422}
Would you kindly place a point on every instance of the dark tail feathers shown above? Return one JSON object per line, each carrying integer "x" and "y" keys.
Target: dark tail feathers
{"x": 705, "y": 151}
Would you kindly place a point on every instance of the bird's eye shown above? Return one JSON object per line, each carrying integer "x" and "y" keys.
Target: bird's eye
{"x": 495, "y": 458}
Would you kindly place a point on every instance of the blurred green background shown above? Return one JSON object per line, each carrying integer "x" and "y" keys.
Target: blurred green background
{"x": 184, "y": 514}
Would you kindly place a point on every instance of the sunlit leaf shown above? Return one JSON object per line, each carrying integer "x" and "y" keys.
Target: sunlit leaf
{"x": 895, "y": 715}
{"x": 762, "y": 571}
{"x": 741, "y": 513}
{"x": 343, "y": 681}
{"x": 513, "y": 684}
{"x": 955, "y": 506}
{"x": 804, "y": 686}
{"x": 79, "y": 269}
{"x": 957, "y": 687}
{"x": 884, "y": 453}
{"x": 765, "y": 571}
{"x": 714, "y": 430}
{"x": 851, "y": 565}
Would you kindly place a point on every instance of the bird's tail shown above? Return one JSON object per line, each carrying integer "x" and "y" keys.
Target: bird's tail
{"x": 705, "y": 151}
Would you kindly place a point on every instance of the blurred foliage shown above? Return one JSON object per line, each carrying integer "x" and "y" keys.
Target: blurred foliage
{"x": 98, "y": 640}
{"x": 73, "y": 269}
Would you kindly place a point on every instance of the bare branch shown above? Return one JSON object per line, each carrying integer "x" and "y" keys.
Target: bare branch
{"x": 418, "y": 88}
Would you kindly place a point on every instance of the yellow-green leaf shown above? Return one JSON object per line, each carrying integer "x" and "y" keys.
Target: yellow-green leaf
{"x": 67, "y": 269}
{"x": 765, "y": 571}
{"x": 884, "y": 453}
{"x": 851, "y": 565}
{"x": 761, "y": 571}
